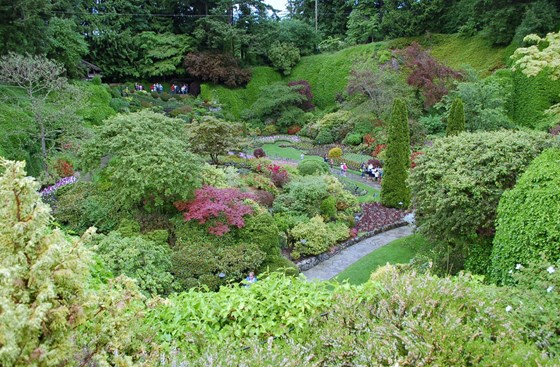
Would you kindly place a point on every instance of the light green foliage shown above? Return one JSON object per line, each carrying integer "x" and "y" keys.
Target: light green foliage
{"x": 162, "y": 53}
{"x": 334, "y": 124}
{"x": 543, "y": 54}
{"x": 43, "y": 276}
{"x": 315, "y": 236}
{"x": 456, "y": 119}
{"x": 149, "y": 159}
{"x": 432, "y": 123}
{"x": 533, "y": 96}
{"x": 363, "y": 24}
{"x": 395, "y": 192}
{"x": 261, "y": 229}
{"x": 458, "y": 182}
{"x": 219, "y": 177}
{"x": 269, "y": 307}
{"x": 213, "y": 136}
{"x": 284, "y": 56}
{"x": 485, "y": 104}
{"x": 324, "y": 136}
{"x": 312, "y": 167}
{"x": 139, "y": 257}
{"x": 335, "y": 152}
{"x": 527, "y": 218}
{"x": 328, "y": 207}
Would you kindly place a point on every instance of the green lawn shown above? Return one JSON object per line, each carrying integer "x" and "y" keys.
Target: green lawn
{"x": 372, "y": 195}
{"x": 273, "y": 150}
{"x": 400, "y": 251}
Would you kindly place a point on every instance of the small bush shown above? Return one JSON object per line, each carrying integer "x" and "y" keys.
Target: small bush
{"x": 280, "y": 264}
{"x": 64, "y": 168}
{"x": 312, "y": 167}
{"x": 182, "y": 110}
{"x": 264, "y": 198}
{"x": 259, "y": 153}
{"x": 335, "y": 153}
{"x": 315, "y": 236}
{"x": 324, "y": 137}
{"x": 165, "y": 96}
{"x": 155, "y": 95}
{"x": 353, "y": 139}
{"x": 328, "y": 208}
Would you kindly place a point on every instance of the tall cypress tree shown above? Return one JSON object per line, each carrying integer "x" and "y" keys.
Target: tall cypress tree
{"x": 456, "y": 120}
{"x": 394, "y": 190}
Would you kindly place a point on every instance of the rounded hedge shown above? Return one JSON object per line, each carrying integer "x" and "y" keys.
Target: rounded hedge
{"x": 528, "y": 218}
{"x": 312, "y": 167}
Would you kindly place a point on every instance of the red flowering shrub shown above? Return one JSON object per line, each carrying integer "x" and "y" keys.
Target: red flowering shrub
{"x": 378, "y": 149}
{"x": 294, "y": 129}
{"x": 376, "y": 216}
{"x": 259, "y": 153}
{"x": 278, "y": 175}
{"x": 353, "y": 232}
{"x": 64, "y": 168}
{"x": 223, "y": 207}
{"x": 264, "y": 198}
{"x": 413, "y": 157}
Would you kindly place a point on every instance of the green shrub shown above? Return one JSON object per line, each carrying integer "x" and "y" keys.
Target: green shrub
{"x": 395, "y": 192}
{"x": 324, "y": 137}
{"x": 155, "y": 95}
{"x": 149, "y": 262}
{"x": 527, "y": 218}
{"x": 120, "y": 105}
{"x": 312, "y": 167}
{"x": 532, "y": 96}
{"x": 313, "y": 237}
{"x": 261, "y": 229}
{"x": 353, "y": 139}
{"x": 456, "y": 119}
{"x": 284, "y": 56}
{"x": 432, "y": 123}
{"x": 328, "y": 208}
{"x": 279, "y": 264}
{"x": 165, "y": 96}
{"x": 286, "y": 221}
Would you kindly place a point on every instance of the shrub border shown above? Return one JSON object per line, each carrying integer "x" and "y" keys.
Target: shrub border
{"x": 313, "y": 261}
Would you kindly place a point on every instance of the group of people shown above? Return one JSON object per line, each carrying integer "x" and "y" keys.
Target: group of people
{"x": 156, "y": 87}
{"x": 373, "y": 173}
{"x": 138, "y": 87}
{"x": 184, "y": 89}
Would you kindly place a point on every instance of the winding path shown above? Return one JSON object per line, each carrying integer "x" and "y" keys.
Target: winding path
{"x": 331, "y": 267}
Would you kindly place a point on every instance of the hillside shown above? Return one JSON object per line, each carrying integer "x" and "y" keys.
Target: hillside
{"x": 327, "y": 73}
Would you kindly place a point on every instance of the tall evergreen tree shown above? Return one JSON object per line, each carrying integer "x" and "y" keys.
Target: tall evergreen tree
{"x": 395, "y": 192}
{"x": 456, "y": 120}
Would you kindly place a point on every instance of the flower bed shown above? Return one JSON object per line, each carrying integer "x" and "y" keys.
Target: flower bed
{"x": 275, "y": 138}
{"x": 375, "y": 216}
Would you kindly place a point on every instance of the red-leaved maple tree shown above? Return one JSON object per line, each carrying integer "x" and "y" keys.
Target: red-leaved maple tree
{"x": 222, "y": 207}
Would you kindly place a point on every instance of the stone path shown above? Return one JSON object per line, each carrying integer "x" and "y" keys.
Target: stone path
{"x": 331, "y": 267}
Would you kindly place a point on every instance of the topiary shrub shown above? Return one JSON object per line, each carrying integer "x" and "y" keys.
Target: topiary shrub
{"x": 353, "y": 139}
{"x": 456, "y": 119}
{"x": 259, "y": 153}
{"x": 335, "y": 153}
{"x": 312, "y": 167}
{"x": 527, "y": 218}
{"x": 324, "y": 137}
{"x": 395, "y": 192}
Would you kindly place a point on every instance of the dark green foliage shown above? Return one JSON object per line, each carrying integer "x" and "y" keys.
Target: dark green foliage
{"x": 328, "y": 208}
{"x": 312, "y": 167}
{"x": 261, "y": 229}
{"x": 456, "y": 119}
{"x": 280, "y": 264}
{"x": 213, "y": 136}
{"x": 395, "y": 192}
{"x": 527, "y": 219}
{"x": 324, "y": 137}
{"x": 532, "y": 96}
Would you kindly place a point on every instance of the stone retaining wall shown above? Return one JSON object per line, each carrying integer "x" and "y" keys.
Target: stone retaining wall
{"x": 313, "y": 261}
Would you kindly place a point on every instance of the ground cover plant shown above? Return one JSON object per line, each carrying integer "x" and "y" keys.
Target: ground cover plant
{"x": 375, "y": 216}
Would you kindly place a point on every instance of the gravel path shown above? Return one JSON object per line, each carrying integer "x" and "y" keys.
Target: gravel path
{"x": 331, "y": 267}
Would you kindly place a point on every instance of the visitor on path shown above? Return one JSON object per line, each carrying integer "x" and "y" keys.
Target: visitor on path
{"x": 343, "y": 169}
{"x": 250, "y": 279}
{"x": 331, "y": 163}
{"x": 363, "y": 169}
{"x": 302, "y": 156}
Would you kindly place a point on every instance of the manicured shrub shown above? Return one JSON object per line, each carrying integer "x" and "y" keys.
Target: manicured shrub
{"x": 155, "y": 95}
{"x": 261, "y": 229}
{"x": 259, "y": 153}
{"x": 458, "y": 182}
{"x": 335, "y": 153}
{"x": 328, "y": 208}
{"x": 395, "y": 192}
{"x": 527, "y": 218}
{"x": 456, "y": 119}
{"x": 165, "y": 96}
{"x": 312, "y": 167}
{"x": 353, "y": 139}
{"x": 315, "y": 237}
{"x": 324, "y": 137}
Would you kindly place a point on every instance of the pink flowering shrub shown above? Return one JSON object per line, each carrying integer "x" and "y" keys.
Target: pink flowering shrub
{"x": 221, "y": 207}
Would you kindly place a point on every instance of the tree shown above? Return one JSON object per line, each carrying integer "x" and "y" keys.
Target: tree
{"x": 213, "y": 137}
{"x": 527, "y": 218}
{"x": 543, "y": 54}
{"x": 395, "y": 192}
{"x": 66, "y": 45}
{"x": 162, "y": 54}
{"x": 216, "y": 68}
{"x": 149, "y": 159}
{"x": 43, "y": 276}
{"x": 52, "y": 100}
{"x": 456, "y": 119}
{"x": 222, "y": 207}
{"x": 427, "y": 74}
{"x": 283, "y": 56}
{"x": 457, "y": 183}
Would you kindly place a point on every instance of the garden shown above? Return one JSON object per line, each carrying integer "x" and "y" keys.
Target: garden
{"x": 132, "y": 217}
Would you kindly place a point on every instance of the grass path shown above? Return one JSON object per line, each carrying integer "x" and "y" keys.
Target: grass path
{"x": 399, "y": 251}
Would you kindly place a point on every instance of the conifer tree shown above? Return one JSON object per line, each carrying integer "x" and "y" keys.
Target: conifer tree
{"x": 456, "y": 120}
{"x": 395, "y": 192}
